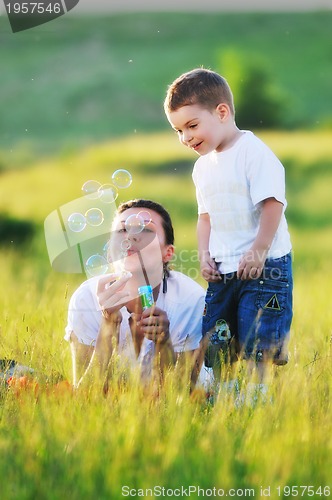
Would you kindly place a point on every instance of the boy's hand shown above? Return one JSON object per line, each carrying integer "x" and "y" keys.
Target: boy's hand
{"x": 251, "y": 265}
{"x": 209, "y": 270}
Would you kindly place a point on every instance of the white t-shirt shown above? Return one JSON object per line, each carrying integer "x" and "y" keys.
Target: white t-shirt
{"x": 183, "y": 302}
{"x": 230, "y": 187}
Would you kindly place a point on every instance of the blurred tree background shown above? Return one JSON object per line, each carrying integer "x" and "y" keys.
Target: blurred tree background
{"x": 77, "y": 82}
{"x": 259, "y": 102}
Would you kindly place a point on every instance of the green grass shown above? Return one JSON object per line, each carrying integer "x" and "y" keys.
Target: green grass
{"x": 76, "y": 80}
{"x": 54, "y": 442}
{"x": 69, "y": 90}
{"x": 91, "y": 446}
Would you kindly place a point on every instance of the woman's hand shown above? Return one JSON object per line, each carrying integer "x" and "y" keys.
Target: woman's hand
{"x": 111, "y": 294}
{"x": 154, "y": 323}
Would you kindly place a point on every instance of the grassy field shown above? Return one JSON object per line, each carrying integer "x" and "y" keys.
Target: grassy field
{"x": 54, "y": 443}
{"x": 77, "y": 80}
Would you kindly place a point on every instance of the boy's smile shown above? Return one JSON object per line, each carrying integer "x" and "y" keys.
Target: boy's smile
{"x": 200, "y": 129}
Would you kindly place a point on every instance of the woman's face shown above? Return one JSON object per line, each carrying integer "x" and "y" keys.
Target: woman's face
{"x": 138, "y": 240}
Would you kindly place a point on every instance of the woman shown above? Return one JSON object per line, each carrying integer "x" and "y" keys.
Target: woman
{"x": 106, "y": 313}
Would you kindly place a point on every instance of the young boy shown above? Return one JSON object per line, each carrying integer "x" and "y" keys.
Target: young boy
{"x": 243, "y": 240}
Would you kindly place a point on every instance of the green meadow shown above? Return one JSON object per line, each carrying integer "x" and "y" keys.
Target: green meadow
{"x": 83, "y": 79}
{"x": 55, "y": 443}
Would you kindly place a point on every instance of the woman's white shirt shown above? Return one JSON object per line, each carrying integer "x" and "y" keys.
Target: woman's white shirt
{"x": 183, "y": 302}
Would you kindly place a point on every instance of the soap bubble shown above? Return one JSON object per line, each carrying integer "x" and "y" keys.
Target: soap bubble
{"x": 76, "y": 222}
{"x": 125, "y": 245}
{"x": 106, "y": 248}
{"x": 108, "y": 193}
{"x": 96, "y": 265}
{"x": 146, "y": 216}
{"x": 94, "y": 216}
{"x": 91, "y": 189}
{"x": 134, "y": 224}
{"x": 122, "y": 178}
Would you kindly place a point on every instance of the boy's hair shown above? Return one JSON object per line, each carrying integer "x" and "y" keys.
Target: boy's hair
{"x": 199, "y": 86}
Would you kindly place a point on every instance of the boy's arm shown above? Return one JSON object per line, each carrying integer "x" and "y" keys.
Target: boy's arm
{"x": 252, "y": 263}
{"x": 209, "y": 268}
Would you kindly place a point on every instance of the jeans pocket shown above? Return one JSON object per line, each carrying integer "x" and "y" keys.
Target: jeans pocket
{"x": 272, "y": 295}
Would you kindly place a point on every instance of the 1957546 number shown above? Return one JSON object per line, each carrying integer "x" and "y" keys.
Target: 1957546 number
{"x": 34, "y": 8}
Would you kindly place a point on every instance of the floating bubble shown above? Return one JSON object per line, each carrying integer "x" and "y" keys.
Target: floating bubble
{"x": 94, "y": 216}
{"x": 76, "y": 222}
{"x": 146, "y": 216}
{"x": 108, "y": 193}
{"x": 106, "y": 248}
{"x": 122, "y": 178}
{"x": 134, "y": 224}
{"x": 96, "y": 265}
{"x": 125, "y": 245}
{"x": 91, "y": 189}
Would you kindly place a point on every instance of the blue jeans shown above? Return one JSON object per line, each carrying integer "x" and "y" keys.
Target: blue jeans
{"x": 254, "y": 316}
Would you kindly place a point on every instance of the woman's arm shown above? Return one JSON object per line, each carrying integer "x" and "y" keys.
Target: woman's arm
{"x": 89, "y": 362}
{"x": 154, "y": 324}
{"x": 98, "y": 367}
{"x": 81, "y": 355}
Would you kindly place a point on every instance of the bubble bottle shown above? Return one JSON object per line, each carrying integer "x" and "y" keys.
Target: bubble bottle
{"x": 146, "y": 294}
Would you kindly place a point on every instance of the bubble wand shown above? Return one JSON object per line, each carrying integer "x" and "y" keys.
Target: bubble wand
{"x": 145, "y": 292}
{"x": 145, "y": 274}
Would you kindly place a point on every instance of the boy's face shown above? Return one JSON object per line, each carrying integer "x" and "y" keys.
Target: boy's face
{"x": 200, "y": 129}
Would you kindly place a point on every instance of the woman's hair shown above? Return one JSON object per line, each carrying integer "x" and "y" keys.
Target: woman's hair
{"x": 201, "y": 87}
{"x": 156, "y": 207}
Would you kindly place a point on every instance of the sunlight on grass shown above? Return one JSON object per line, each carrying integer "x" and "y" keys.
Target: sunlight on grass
{"x": 140, "y": 442}
{"x": 55, "y": 441}
{"x": 303, "y": 146}
{"x": 51, "y": 182}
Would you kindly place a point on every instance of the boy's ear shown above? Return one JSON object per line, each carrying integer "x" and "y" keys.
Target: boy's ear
{"x": 223, "y": 111}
